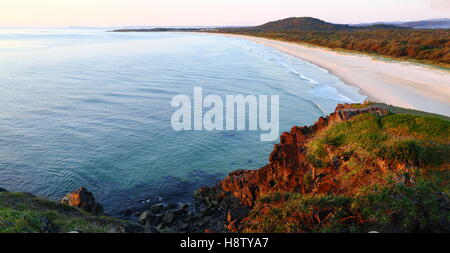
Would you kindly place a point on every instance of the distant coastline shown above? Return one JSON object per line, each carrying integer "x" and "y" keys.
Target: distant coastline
{"x": 162, "y": 29}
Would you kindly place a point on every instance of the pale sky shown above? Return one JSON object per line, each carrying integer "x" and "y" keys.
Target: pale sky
{"x": 60, "y": 13}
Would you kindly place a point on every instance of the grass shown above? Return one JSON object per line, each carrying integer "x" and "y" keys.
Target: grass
{"x": 400, "y": 110}
{"x": 399, "y": 208}
{"x": 25, "y": 213}
{"x": 426, "y": 128}
{"x": 416, "y": 140}
{"x": 393, "y": 176}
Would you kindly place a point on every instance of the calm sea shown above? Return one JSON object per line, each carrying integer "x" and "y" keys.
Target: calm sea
{"x": 85, "y": 107}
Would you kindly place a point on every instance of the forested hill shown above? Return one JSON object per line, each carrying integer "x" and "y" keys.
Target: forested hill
{"x": 309, "y": 24}
{"x": 305, "y": 23}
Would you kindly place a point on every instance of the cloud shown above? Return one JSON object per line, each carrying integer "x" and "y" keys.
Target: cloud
{"x": 443, "y": 5}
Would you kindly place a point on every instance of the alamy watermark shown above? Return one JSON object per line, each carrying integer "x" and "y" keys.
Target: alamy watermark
{"x": 208, "y": 114}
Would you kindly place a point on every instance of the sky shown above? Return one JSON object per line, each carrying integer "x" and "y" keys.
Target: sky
{"x": 62, "y": 13}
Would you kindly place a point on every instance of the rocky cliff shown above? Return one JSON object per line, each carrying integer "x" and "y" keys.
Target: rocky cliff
{"x": 354, "y": 152}
{"x": 288, "y": 163}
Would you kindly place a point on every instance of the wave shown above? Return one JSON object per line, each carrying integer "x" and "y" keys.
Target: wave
{"x": 318, "y": 106}
{"x": 332, "y": 93}
{"x": 303, "y": 77}
{"x": 315, "y": 66}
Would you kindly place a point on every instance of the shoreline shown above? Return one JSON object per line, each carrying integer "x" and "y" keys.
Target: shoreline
{"x": 402, "y": 84}
{"x": 234, "y": 204}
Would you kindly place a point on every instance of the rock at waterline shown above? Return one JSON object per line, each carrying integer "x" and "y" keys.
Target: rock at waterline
{"x": 84, "y": 200}
{"x": 168, "y": 217}
{"x": 156, "y": 208}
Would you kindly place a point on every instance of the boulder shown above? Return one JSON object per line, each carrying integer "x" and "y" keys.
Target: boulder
{"x": 137, "y": 229}
{"x": 208, "y": 195}
{"x": 84, "y": 200}
{"x": 182, "y": 225}
{"x": 168, "y": 218}
{"x": 237, "y": 214}
{"x": 144, "y": 217}
{"x": 230, "y": 202}
{"x": 183, "y": 206}
{"x": 128, "y": 212}
{"x": 156, "y": 208}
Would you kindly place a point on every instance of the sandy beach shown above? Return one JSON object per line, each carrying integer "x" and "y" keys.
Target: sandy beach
{"x": 396, "y": 83}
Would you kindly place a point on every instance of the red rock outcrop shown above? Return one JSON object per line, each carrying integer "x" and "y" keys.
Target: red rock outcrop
{"x": 84, "y": 200}
{"x": 288, "y": 165}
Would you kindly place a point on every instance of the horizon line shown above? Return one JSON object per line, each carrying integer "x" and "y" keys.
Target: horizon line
{"x": 108, "y": 26}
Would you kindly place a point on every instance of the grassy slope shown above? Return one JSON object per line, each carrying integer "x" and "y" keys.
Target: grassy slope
{"x": 25, "y": 213}
{"x": 399, "y": 110}
{"x": 411, "y": 195}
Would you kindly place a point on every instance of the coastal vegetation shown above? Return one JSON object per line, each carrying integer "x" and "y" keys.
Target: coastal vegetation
{"x": 394, "y": 209}
{"x": 427, "y": 45}
{"x": 362, "y": 169}
{"x": 25, "y": 213}
{"x": 396, "y": 174}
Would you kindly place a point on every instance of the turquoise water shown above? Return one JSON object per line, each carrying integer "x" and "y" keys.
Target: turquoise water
{"x": 84, "y": 107}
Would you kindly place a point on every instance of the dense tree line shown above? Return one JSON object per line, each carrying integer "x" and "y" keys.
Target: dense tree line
{"x": 425, "y": 45}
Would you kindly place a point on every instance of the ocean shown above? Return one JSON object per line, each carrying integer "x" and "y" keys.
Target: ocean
{"x": 87, "y": 107}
